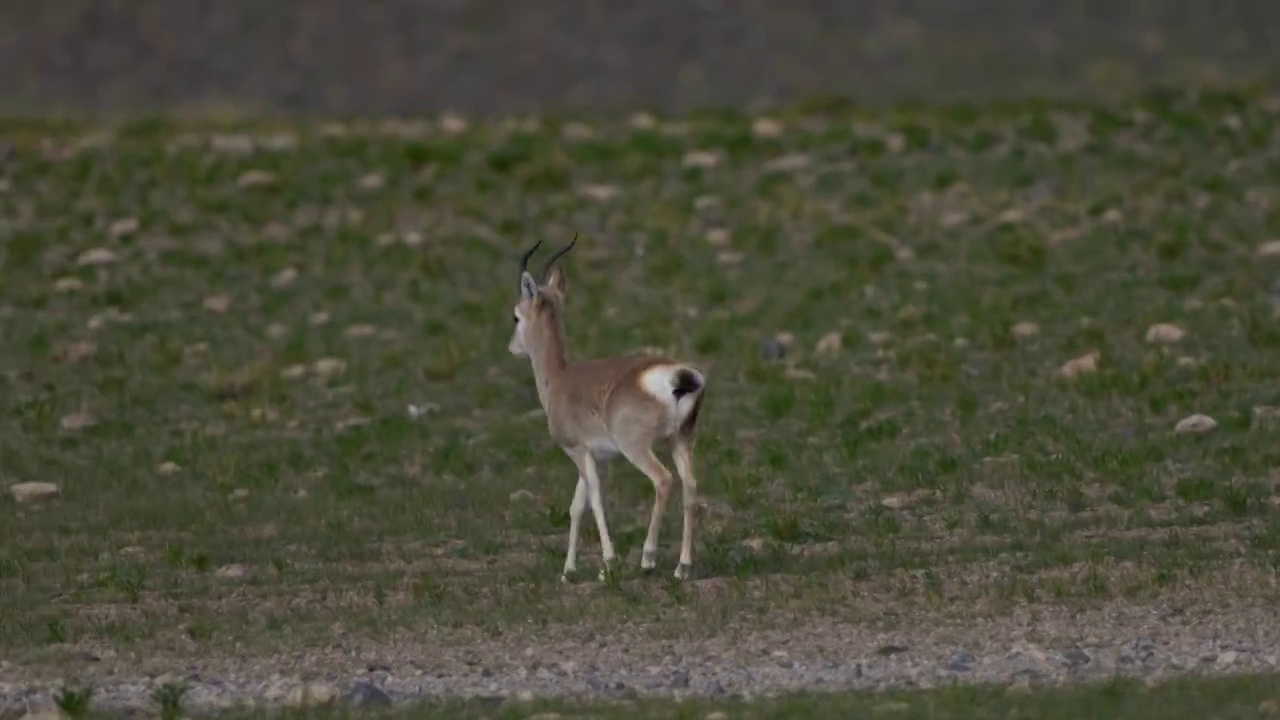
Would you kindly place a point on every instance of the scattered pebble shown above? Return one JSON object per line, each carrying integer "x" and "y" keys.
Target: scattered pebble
{"x": 284, "y": 278}
{"x": 1197, "y": 423}
{"x": 1269, "y": 249}
{"x": 123, "y": 227}
{"x": 97, "y": 256}
{"x": 1087, "y": 363}
{"x": 77, "y": 351}
{"x": 880, "y": 339}
{"x": 217, "y": 303}
{"x": 311, "y": 694}
{"x": 1025, "y": 329}
{"x": 790, "y": 162}
{"x": 422, "y": 410}
{"x": 1075, "y": 657}
{"x": 362, "y": 330}
{"x": 371, "y": 181}
{"x": 34, "y": 491}
{"x": 718, "y": 238}
{"x": 453, "y": 124}
{"x": 76, "y": 421}
{"x": 777, "y": 347}
{"x": 68, "y": 284}
{"x": 521, "y": 495}
{"x": 365, "y": 694}
{"x": 830, "y": 343}
{"x": 255, "y": 178}
{"x": 318, "y": 318}
{"x": 294, "y": 372}
{"x": 701, "y": 159}
{"x": 168, "y": 467}
{"x": 234, "y": 571}
{"x": 766, "y": 128}
{"x": 1165, "y": 333}
{"x": 642, "y": 121}
{"x": 239, "y": 494}
{"x": 327, "y": 368}
{"x": 598, "y": 192}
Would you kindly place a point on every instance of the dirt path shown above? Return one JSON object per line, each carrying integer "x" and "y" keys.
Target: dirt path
{"x": 1210, "y": 628}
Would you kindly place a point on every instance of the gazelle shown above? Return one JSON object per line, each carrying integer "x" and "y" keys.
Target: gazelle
{"x": 621, "y": 404}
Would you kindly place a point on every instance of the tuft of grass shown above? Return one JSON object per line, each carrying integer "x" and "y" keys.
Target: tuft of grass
{"x": 75, "y": 701}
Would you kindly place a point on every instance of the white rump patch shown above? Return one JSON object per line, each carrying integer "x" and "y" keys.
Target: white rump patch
{"x": 659, "y": 382}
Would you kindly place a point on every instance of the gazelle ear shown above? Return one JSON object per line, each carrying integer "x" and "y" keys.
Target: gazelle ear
{"x": 528, "y": 287}
{"x": 556, "y": 280}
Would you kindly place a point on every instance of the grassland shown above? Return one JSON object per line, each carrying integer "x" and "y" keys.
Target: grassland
{"x": 211, "y": 338}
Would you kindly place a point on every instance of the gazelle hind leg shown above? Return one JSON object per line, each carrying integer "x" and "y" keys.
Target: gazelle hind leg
{"x": 649, "y": 464}
{"x": 576, "y": 510}
{"x": 682, "y": 452}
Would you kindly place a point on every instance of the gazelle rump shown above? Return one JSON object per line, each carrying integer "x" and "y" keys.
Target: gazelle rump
{"x": 598, "y": 408}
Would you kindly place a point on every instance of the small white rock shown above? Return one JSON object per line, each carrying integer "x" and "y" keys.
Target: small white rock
{"x": 97, "y": 256}
{"x": 830, "y": 343}
{"x": 76, "y": 421}
{"x": 1165, "y": 333}
{"x": 361, "y": 330}
{"x": 68, "y": 284}
{"x": 311, "y": 694}
{"x": 294, "y": 372}
{"x": 704, "y": 159}
{"x": 284, "y": 278}
{"x": 168, "y": 467}
{"x": 1197, "y": 423}
{"x": 255, "y": 178}
{"x": 326, "y": 368}
{"x": 33, "y": 491}
{"x": 1082, "y": 365}
{"x": 1025, "y": 329}
{"x": 766, "y": 128}
{"x": 1269, "y": 249}
{"x": 217, "y": 303}
{"x": 235, "y": 571}
{"x": 718, "y": 237}
{"x": 123, "y": 226}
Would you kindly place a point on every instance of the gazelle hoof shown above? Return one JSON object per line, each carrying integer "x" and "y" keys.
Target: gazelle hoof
{"x": 648, "y": 561}
{"x": 683, "y": 571}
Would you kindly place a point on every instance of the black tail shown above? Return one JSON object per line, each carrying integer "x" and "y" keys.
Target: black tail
{"x": 684, "y": 383}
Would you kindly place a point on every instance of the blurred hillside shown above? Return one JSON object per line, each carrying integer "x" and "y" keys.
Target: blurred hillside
{"x": 412, "y": 56}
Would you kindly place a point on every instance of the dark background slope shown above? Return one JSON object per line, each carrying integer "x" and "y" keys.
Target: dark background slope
{"x": 409, "y": 56}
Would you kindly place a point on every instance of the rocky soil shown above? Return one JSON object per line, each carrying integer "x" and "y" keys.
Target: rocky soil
{"x": 1179, "y": 633}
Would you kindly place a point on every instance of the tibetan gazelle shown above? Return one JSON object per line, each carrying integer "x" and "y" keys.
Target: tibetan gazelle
{"x": 607, "y": 406}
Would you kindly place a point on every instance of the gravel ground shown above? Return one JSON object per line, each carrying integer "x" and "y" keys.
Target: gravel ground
{"x": 410, "y": 56}
{"x": 1035, "y": 644}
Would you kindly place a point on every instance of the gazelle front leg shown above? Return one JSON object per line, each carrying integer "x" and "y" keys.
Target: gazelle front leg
{"x": 587, "y": 469}
{"x": 575, "y": 525}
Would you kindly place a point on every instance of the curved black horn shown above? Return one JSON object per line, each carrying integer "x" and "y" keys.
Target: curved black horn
{"x": 547, "y": 268}
{"x": 524, "y": 259}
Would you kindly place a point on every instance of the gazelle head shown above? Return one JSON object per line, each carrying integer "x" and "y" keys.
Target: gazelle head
{"x": 537, "y": 315}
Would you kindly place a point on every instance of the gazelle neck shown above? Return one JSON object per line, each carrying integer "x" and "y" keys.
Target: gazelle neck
{"x": 548, "y": 359}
